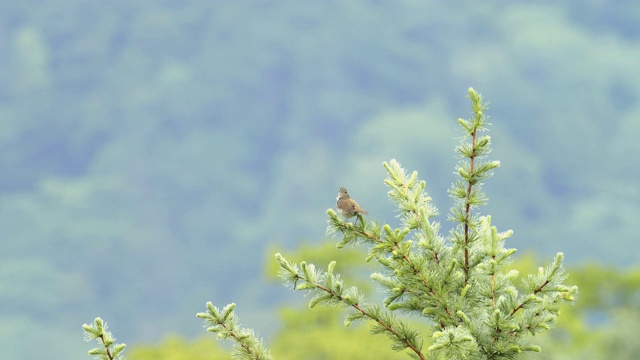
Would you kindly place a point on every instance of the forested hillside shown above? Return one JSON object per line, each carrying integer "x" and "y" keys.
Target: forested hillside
{"x": 150, "y": 149}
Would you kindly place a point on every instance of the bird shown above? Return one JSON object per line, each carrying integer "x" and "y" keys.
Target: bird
{"x": 346, "y": 206}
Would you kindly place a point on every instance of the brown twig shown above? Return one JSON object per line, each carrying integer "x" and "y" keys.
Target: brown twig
{"x": 387, "y": 327}
{"x": 535, "y": 292}
{"x": 468, "y": 209}
{"x": 413, "y": 268}
{"x": 493, "y": 285}
{"x": 105, "y": 346}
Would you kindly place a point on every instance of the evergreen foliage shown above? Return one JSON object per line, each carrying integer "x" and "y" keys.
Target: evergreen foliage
{"x": 108, "y": 349}
{"x": 247, "y": 345}
{"x": 459, "y": 283}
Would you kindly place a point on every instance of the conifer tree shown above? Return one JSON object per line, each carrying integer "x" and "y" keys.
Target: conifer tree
{"x": 460, "y": 284}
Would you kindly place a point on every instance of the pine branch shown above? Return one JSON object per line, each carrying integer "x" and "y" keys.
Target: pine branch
{"x": 549, "y": 283}
{"x": 247, "y": 345}
{"x": 465, "y": 195}
{"x": 108, "y": 350}
{"x": 328, "y": 289}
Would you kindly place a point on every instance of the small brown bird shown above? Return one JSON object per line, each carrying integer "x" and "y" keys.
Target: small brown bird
{"x": 346, "y": 206}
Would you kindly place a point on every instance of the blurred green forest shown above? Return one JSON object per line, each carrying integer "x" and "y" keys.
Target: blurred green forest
{"x": 154, "y": 151}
